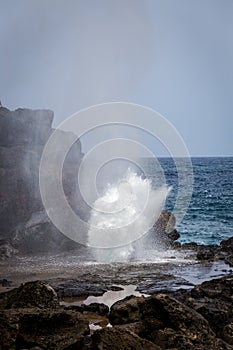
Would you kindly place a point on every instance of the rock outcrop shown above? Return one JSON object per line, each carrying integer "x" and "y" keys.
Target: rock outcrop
{"x": 163, "y": 234}
{"x": 24, "y": 224}
{"x": 172, "y": 324}
{"x": 200, "y": 318}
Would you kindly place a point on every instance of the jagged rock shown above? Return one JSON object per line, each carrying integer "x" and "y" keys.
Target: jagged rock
{"x": 31, "y": 236}
{"x": 126, "y": 311}
{"x": 76, "y": 289}
{"x": 227, "y": 245}
{"x": 206, "y": 253}
{"x": 23, "y": 135}
{"x": 98, "y": 308}
{"x": 163, "y": 232}
{"x": 37, "y": 294}
{"x": 227, "y": 333}
{"x": 47, "y": 329}
{"x": 5, "y": 283}
{"x": 166, "y": 322}
{"x": 213, "y": 300}
{"x": 25, "y": 127}
{"x": 229, "y": 260}
{"x": 190, "y": 246}
{"x": 119, "y": 339}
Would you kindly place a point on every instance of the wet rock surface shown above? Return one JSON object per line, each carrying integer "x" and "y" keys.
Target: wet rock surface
{"x": 24, "y": 225}
{"x": 30, "y": 316}
{"x": 213, "y": 300}
{"x": 31, "y": 294}
{"x": 170, "y": 323}
{"x": 98, "y": 308}
{"x": 198, "y": 318}
{"x": 77, "y": 288}
{"x": 164, "y": 230}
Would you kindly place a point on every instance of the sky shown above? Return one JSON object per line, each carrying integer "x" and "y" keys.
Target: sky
{"x": 175, "y": 56}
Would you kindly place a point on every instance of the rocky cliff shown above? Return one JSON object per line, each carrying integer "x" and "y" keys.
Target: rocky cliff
{"x": 24, "y": 224}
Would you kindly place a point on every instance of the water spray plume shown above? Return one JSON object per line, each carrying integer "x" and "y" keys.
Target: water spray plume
{"x": 122, "y": 215}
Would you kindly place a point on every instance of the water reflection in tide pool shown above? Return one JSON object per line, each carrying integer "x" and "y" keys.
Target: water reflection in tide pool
{"x": 108, "y": 298}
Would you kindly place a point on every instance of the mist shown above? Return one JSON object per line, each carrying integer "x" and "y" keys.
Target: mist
{"x": 175, "y": 57}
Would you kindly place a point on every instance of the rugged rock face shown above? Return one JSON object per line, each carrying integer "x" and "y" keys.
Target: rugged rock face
{"x": 119, "y": 339}
{"x": 46, "y": 329}
{"x": 24, "y": 224}
{"x": 164, "y": 230}
{"x": 201, "y": 318}
{"x": 31, "y": 294}
{"x": 224, "y": 251}
{"x": 213, "y": 300}
{"x": 30, "y": 316}
{"x": 189, "y": 324}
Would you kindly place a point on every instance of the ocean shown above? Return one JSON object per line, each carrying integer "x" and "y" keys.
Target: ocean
{"x": 209, "y": 218}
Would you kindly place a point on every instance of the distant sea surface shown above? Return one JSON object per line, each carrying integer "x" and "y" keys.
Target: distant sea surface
{"x": 209, "y": 218}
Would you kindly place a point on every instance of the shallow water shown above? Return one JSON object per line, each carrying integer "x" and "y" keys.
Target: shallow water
{"x": 167, "y": 271}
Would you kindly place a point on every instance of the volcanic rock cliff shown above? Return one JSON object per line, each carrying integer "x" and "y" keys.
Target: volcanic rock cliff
{"x": 24, "y": 224}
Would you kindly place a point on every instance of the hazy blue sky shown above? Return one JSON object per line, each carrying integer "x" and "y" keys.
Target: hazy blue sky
{"x": 175, "y": 56}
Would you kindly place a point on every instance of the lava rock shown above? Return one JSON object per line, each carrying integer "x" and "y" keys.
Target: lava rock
{"x": 24, "y": 223}
{"x": 126, "y": 311}
{"x": 77, "y": 289}
{"x": 227, "y": 333}
{"x": 166, "y": 322}
{"x": 31, "y": 294}
{"x": 164, "y": 232}
{"x": 119, "y": 339}
{"x": 98, "y": 308}
{"x": 213, "y": 300}
{"x": 190, "y": 246}
{"x": 205, "y": 253}
{"x": 46, "y": 329}
{"x": 227, "y": 245}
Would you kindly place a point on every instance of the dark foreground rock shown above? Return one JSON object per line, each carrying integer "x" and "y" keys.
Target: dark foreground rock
{"x": 119, "y": 339}
{"x": 46, "y": 329}
{"x": 213, "y": 300}
{"x": 31, "y": 294}
{"x": 197, "y": 319}
{"x": 30, "y": 316}
{"x": 200, "y": 319}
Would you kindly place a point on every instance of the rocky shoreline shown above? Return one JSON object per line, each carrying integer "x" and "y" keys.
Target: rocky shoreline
{"x": 199, "y": 316}
{"x": 31, "y": 317}
{"x": 46, "y": 279}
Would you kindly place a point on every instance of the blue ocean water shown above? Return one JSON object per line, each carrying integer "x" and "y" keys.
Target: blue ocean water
{"x": 209, "y": 218}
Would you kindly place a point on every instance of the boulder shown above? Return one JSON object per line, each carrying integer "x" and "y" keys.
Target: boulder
{"x": 37, "y": 294}
{"x": 119, "y": 339}
{"x": 227, "y": 245}
{"x": 213, "y": 300}
{"x": 164, "y": 229}
{"x": 166, "y": 322}
{"x": 98, "y": 308}
{"x": 206, "y": 253}
{"x": 31, "y": 317}
{"x": 44, "y": 329}
{"x": 227, "y": 333}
